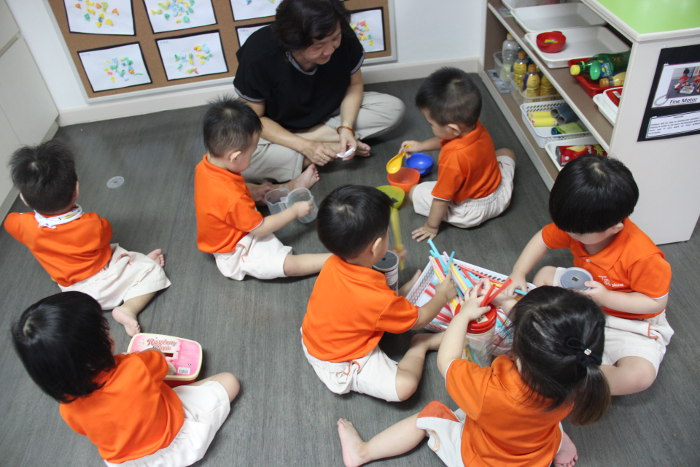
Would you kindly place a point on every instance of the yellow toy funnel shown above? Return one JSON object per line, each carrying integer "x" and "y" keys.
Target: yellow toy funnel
{"x": 397, "y": 196}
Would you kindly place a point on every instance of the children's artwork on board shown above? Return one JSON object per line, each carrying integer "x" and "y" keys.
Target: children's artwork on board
{"x": 115, "y": 67}
{"x": 95, "y": 17}
{"x": 369, "y": 29}
{"x": 245, "y": 32}
{"x": 195, "y": 55}
{"x": 173, "y": 15}
{"x": 248, "y": 9}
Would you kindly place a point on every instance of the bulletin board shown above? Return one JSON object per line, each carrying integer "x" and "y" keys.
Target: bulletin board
{"x": 123, "y": 46}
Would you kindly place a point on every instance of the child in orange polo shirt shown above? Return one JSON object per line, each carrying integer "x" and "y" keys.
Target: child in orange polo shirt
{"x": 228, "y": 224}
{"x": 590, "y": 203}
{"x": 510, "y": 412}
{"x": 351, "y": 305}
{"x": 119, "y": 402}
{"x": 74, "y": 246}
{"x": 475, "y": 181}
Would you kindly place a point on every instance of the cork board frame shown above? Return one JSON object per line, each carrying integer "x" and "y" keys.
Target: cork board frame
{"x": 225, "y": 25}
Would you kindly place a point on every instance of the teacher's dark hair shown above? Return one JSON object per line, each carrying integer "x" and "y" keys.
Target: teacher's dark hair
{"x": 299, "y": 22}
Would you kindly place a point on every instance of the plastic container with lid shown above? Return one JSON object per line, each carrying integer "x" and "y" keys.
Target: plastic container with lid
{"x": 480, "y": 335}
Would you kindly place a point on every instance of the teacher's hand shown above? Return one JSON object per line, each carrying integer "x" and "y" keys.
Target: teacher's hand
{"x": 318, "y": 153}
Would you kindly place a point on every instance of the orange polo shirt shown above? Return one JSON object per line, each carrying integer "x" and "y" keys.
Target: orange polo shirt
{"x": 501, "y": 429}
{"x": 224, "y": 209}
{"x": 69, "y": 253}
{"x": 350, "y": 309}
{"x": 467, "y": 167}
{"x": 630, "y": 263}
{"x": 133, "y": 414}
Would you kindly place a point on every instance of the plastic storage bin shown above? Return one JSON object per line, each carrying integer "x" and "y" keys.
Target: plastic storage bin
{"x": 543, "y": 135}
{"x": 551, "y": 148}
{"x": 520, "y": 97}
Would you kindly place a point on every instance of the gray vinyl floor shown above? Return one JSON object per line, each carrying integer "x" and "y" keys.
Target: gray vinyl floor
{"x": 284, "y": 415}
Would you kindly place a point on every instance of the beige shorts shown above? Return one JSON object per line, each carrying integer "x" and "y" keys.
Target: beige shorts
{"x": 128, "y": 274}
{"x": 470, "y": 212}
{"x": 374, "y": 374}
{"x": 262, "y": 258}
{"x": 444, "y": 429}
{"x": 206, "y": 408}
{"x": 646, "y": 338}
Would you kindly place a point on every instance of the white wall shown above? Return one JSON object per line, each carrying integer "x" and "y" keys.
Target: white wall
{"x": 429, "y": 33}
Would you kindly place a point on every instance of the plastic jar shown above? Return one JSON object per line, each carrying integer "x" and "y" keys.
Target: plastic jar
{"x": 480, "y": 334}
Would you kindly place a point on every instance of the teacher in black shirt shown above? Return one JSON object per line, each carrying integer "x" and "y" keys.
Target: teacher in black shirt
{"x": 302, "y": 76}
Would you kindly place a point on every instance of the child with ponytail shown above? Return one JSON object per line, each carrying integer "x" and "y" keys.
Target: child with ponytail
{"x": 509, "y": 413}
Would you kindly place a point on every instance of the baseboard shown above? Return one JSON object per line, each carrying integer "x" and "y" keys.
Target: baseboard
{"x": 149, "y": 102}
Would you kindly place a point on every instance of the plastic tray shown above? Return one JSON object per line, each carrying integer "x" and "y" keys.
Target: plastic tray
{"x": 521, "y": 3}
{"x": 591, "y": 87}
{"x": 606, "y": 106}
{"x": 553, "y": 17}
{"x": 580, "y": 42}
{"x": 551, "y": 147}
{"x": 543, "y": 134}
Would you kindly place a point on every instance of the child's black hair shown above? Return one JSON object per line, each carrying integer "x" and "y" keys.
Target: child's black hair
{"x": 450, "y": 96}
{"x": 592, "y": 194}
{"x": 351, "y": 217}
{"x": 558, "y": 338}
{"x": 229, "y": 125}
{"x": 45, "y": 176}
{"x": 299, "y": 22}
{"x": 64, "y": 343}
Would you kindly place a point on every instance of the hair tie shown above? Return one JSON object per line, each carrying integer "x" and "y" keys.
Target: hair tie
{"x": 584, "y": 355}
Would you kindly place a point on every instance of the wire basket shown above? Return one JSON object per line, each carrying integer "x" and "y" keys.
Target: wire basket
{"x": 543, "y": 134}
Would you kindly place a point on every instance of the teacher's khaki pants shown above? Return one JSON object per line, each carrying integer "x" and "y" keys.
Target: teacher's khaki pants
{"x": 379, "y": 113}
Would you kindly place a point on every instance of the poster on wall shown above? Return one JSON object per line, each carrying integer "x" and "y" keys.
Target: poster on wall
{"x": 174, "y": 15}
{"x": 195, "y": 55}
{"x": 244, "y": 32}
{"x": 673, "y": 107}
{"x": 88, "y": 17}
{"x": 115, "y": 67}
{"x": 369, "y": 29}
{"x": 248, "y": 9}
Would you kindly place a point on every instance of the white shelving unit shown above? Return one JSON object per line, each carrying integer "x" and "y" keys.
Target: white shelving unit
{"x": 666, "y": 170}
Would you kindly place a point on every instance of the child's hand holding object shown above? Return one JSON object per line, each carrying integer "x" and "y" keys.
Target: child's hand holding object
{"x": 302, "y": 208}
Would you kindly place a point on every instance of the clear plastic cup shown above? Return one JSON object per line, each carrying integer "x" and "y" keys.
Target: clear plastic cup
{"x": 303, "y": 194}
{"x": 276, "y": 200}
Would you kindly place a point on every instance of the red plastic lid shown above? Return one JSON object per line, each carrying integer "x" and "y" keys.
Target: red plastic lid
{"x": 483, "y": 324}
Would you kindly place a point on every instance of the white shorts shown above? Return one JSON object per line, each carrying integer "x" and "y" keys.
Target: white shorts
{"x": 444, "y": 430}
{"x": 262, "y": 258}
{"x": 470, "y": 212}
{"x": 645, "y": 338}
{"x": 374, "y": 374}
{"x": 128, "y": 274}
{"x": 206, "y": 408}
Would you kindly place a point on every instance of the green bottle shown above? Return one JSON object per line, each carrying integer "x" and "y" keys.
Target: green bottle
{"x": 601, "y": 65}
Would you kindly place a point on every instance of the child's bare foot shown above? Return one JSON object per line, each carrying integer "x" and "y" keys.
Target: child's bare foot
{"x": 126, "y": 318}
{"x": 566, "y": 456}
{"x": 306, "y": 179}
{"x": 362, "y": 149}
{"x": 157, "y": 256}
{"x": 351, "y": 443}
{"x": 431, "y": 340}
{"x": 258, "y": 192}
